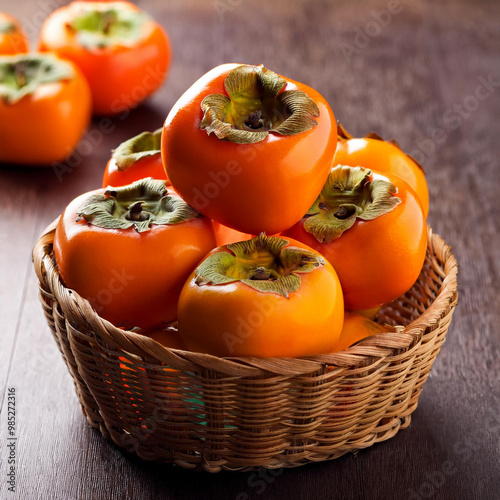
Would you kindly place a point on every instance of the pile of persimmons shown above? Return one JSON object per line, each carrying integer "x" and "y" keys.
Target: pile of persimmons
{"x": 251, "y": 224}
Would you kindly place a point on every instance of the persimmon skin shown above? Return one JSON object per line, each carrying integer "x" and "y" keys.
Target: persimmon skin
{"x": 167, "y": 338}
{"x": 120, "y": 76}
{"x": 357, "y": 327}
{"x": 225, "y": 235}
{"x": 25, "y": 135}
{"x": 266, "y": 186}
{"x": 14, "y": 42}
{"x": 128, "y": 277}
{"x": 150, "y": 166}
{"x": 386, "y": 158}
{"x": 380, "y": 259}
{"x": 236, "y": 320}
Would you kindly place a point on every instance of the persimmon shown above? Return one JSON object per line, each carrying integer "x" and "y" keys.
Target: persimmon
{"x": 123, "y": 52}
{"x": 167, "y": 338}
{"x": 264, "y": 297}
{"x": 385, "y": 157}
{"x": 12, "y": 38}
{"x": 249, "y": 148}
{"x": 135, "y": 159}
{"x": 128, "y": 250}
{"x": 371, "y": 227}
{"x": 357, "y": 327}
{"x": 369, "y": 313}
{"x": 225, "y": 235}
{"x": 45, "y": 107}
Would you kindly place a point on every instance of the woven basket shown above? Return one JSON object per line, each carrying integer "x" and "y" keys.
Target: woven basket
{"x": 201, "y": 411}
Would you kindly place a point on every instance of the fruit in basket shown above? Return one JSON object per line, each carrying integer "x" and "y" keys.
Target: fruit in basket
{"x": 12, "y": 38}
{"x": 44, "y": 108}
{"x": 122, "y": 50}
{"x": 249, "y": 148}
{"x": 166, "y": 337}
{"x": 372, "y": 229}
{"x": 135, "y": 159}
{"x": 264, "y": 297}
{"x": 385, "y": 157}
{"x": 129, "y": 250}
{"x": 358, "y": 327}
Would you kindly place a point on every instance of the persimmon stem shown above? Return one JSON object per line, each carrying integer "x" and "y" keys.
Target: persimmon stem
{"x": 138, "y": 205}
{"x": 262, "y": 263}
{"x": 350, "y": 193}
{"x": 343, "y": 213}
{"x": 256, "y": 104}
{"x": 23, "y": 74}
{"x": 108, "y": 20}
{"x": 100, "y": 25}
{"x": 19, "y": 72}
{"x": 254, "y": 121}
{"x": 261, "y": 273}
{"x": 135, "y": 212}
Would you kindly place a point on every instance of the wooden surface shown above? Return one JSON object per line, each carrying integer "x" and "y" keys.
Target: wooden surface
{"x": 407, "y": 79}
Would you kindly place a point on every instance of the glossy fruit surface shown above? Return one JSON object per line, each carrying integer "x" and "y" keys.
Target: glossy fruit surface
{"x": 372, "y": 229}
{"x": 225, "y": 235}
{"x": 167, "y": 338}
{"x": 12, "y": 38}
{"x": 45, "y": 106}
{"x": 385, "y": 157}
{"x": 116, "y": 248}
{"x": 357, "y": 327}
{"x": 265, "y": 297}
{"x": 122, "y": 51}
{"x": 249, "y": 148}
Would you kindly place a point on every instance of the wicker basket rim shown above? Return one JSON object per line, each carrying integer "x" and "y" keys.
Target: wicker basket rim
{"x": 369, "y": 352}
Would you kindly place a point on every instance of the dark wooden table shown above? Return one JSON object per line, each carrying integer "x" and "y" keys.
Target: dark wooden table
{"x": 426, "y": 73}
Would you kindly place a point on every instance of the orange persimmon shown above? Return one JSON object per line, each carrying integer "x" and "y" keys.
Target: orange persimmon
{"x": 225, "y": 235}
{"x": 123, "y": 52}
{"x": 117, "y": 248}
{"x": 358, "y": 327}
{"x": 249, "y": 148}
{"x": 12, "y": 38}
{"x": 167, "y": 338}
{"x": 44, "y": 108}
{"x": 385, "y": 157}
{"x": 371, "y": 227}
{"x": 264, "y": 297}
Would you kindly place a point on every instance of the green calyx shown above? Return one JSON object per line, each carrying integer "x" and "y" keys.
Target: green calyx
{"x": 102, "y": 25}
{"x": 350, "y": 193}
{"x": 7, "y": 27}
{"x": 136, "y": 148}
{"x": 22, "y": 74}
{"x": 261, "y": 263}
{"x": 139, "y": 205}
{"x": 256, "y": 105}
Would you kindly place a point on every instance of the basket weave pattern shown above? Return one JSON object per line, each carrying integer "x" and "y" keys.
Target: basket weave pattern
{"x": 200, "y": 411}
